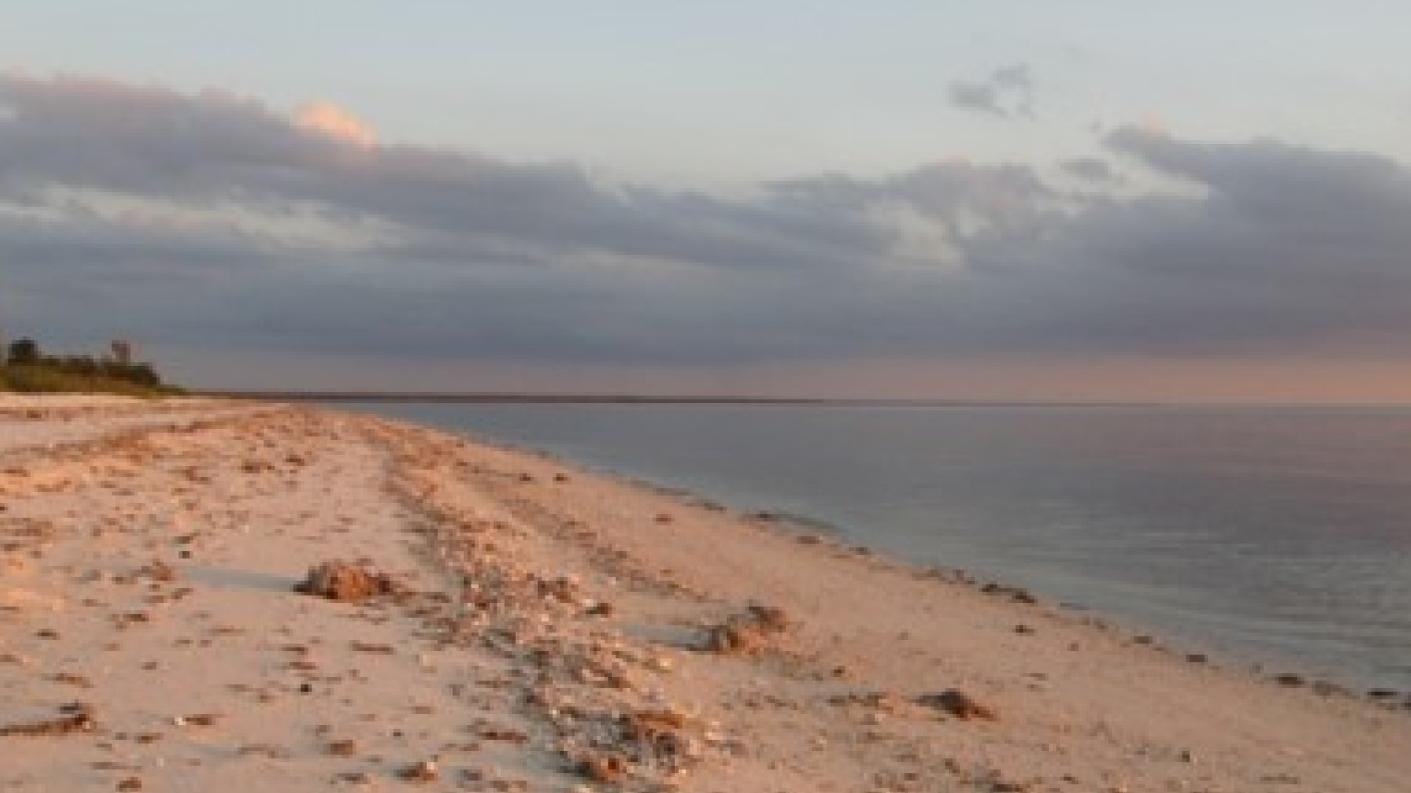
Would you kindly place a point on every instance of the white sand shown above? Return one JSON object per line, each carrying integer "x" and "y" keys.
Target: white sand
{"x": 498, "y": 664}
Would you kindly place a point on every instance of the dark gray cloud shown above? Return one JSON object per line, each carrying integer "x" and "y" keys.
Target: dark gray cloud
{"x": 211, "y": 220}
{"x": 1007, "y": 92}
{"x": 1092, "y": 169}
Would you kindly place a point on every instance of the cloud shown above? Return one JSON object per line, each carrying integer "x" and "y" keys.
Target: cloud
{"x": 212, "y": 220}
{"x": 1090, "y": 169}
{"x": 1007, "y": 92}
{"x": 326, "y": 118}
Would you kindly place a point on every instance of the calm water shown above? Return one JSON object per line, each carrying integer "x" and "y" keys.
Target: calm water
{"x": 1274, "y": 534}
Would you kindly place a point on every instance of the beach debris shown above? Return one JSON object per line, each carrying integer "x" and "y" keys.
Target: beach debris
{"x": 77, "y": 717}
{"x": 423, "y": 771}
{"x": 1290, "y": 679}
{"x": 336, "y": 580}
{"x": 342, "y": 748}
{"x": 747, "y": 633}
{"x": 371, "y": 647}
{"x": 263, "y": 750}
{"x": 603, "y": 769}
{"x": 129, "y": 784}
{"x": 958, "y": 704}
{"x": 1014, "y": 593}
{"x": 69, "y": 678}
{"x": 157, "y": 570}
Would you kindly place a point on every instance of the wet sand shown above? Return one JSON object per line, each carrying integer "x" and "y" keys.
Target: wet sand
{"x": 543, "y": 628}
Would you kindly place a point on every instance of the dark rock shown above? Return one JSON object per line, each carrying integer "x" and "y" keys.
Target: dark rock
{"x": 958, "y": 704}
{"x": 424, "y": 771}
{"x": 608, "y": 769}
{"x": 77, "y": 718}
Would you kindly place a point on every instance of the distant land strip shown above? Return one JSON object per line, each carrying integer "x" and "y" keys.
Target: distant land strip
{"x": 388, "y": 396}
{"x": 648, "y": 399}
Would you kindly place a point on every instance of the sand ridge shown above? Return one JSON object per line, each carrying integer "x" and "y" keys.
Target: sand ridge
{"x": 547, "y": 628}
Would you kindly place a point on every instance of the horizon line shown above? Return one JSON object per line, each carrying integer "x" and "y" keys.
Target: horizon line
{"x": 513, "y": 397}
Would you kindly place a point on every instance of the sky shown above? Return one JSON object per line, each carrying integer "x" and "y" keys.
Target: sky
{"x": 1015, "y": 200}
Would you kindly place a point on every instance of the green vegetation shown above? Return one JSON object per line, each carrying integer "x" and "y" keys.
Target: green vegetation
{"x": 25, "y": 368}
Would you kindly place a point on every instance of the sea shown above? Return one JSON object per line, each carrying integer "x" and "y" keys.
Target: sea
{"x": 1271, "y": 536}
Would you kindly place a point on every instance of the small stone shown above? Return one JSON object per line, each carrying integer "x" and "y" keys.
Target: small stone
{"x": 424, "y": 771}
{"x": 958, "y": 704}
{"x": 608, "y": 769}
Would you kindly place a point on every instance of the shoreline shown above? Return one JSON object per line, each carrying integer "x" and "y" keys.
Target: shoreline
{"x": 1172, "y": 638}
{"x": 575, "y": 630}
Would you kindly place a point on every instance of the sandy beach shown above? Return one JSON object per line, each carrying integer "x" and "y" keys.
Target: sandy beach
{"x": 489, "y": 619}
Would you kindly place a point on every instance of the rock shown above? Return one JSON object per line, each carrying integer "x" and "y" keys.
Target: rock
{"x": 1289, "y": 679}
{"x": 77, "y": 718}
{"x": 1016, "y": 594}
{"x": 424, "y": 771}
{"x": 129, "y": 784}
{"x": 747, "y": 633}
{"x": 958, "y": 704}
{"x": 342, "y": 748}
{"x": 157, "y": 570}
{"x": 344, "y": 582}
{"x": 608, "y": 769}
{"x": 371, "y": 647}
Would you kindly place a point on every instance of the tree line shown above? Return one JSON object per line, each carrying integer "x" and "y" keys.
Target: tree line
{"x": 26, "y": 362}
